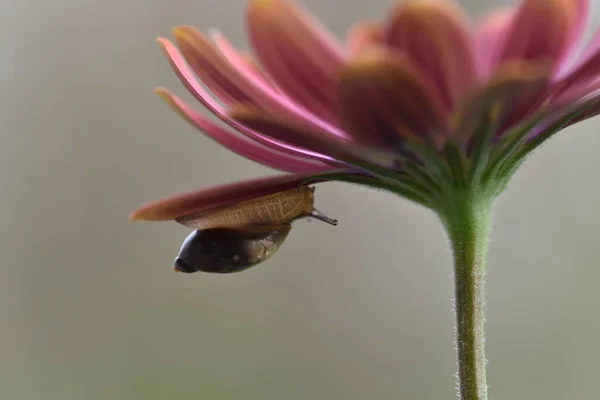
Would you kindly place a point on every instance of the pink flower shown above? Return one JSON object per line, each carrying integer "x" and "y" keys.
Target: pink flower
{"x": 420, "y": 103}
{"x": 424, "y": 104}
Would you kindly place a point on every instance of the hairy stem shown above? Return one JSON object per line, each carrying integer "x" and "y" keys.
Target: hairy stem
{"x": 467, "y": 220}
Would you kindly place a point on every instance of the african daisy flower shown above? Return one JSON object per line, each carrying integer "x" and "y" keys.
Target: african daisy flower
{"x": 424, "y": 104}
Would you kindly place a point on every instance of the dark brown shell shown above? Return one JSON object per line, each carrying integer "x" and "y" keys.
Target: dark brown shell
{"x": 224, "y": 250}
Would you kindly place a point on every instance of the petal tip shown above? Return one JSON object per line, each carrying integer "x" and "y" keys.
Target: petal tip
{"x": 185, "y": 33}
{"x": 138, "y": 214}
{"x": 161, "y": 91}
{"x": 368, "y": 60}
{"x": 133, "y": 216}
{"x": 164, "y": 95}
{"x": 162, "y": 42}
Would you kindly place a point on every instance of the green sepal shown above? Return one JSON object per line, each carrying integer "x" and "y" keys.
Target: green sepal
{"x": 431, "y": 159}
{"x": 422, "y": 176}
{"x": 480, "y": 151}
{"x": 509, "y": 145}
{"x": 456, "y": 163}
{"x": 408, "y": 190}
{"x": 518, "y": 146}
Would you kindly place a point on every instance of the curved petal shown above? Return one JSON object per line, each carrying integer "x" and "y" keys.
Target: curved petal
{"x": 542, "y": 30}
{"x": 219, "y": 196}
{"x": 490, "y": 38}
{"x": 436, "y": 38}
{"x": 186, "y": 77}
{"x": 579, "y": 23}
{"x": 585, "y": 70}
{"x": 211, "y": 67}
{"x": 245, "y": 148}
{"x": 509, "y": 94}
{"x": 384, "y": 100}
{"x": 590, "y": 108}
{"x": 555, "y": 121}
{"x": 261, "y": 93}
{"x": 297, "y": 53}
{"x": 304, "y": 137}
{"x": 577, "y": 93}
{"x": 240, "y": 61}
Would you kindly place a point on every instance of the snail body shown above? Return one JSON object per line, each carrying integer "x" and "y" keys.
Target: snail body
{"x": 274, "y": 209}
{"x": 237, "y": 237}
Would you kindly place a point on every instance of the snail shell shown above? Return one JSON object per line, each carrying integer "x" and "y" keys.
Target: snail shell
{"x": 235, "y": 238}
{"x": 225, "y": 250}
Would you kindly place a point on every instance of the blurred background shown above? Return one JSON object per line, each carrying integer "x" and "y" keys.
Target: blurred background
{"x": 90, "y": 309}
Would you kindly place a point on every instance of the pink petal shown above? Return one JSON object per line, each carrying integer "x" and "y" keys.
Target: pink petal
{"x": 205, "y": 200}
{"x": 203, "y": 97}
{"x": 261, "y": 94}
{"x": 242, "y": 62}
{"x": 577, "y": 93}
{"x": 435, "y": 36}
{"x": 385, "y": 100}
{"x": 591, "y": 49}
{"x": 245, "y": 148}
{"x": 304, "y": 137}
{"x": 586, "y": 109}
{"x": 593, "y": 109}
{"x": 490, "y": 38}
{"x": 211, "y": 67}
{"x": 362, "y": 36}
{"x": 506, "y": 98}
{"x": 542, "y": 30}
{"x": 297, "y": 53}
{"x": 586, "y": 69}
{"x": 580, "y": 22}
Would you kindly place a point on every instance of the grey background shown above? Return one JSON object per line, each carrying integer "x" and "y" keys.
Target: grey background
{"x": 89, "y": 308}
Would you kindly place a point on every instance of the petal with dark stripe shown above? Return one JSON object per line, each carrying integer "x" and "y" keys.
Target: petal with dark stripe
{"x": 246, "y": 148}
{"x": 299, "y": 55}
{"x": 205, "y": 200}
{"x": 435, "y": 37}
{"x": 385, "y": 100}
{"x": 262, "y": 94}
{"x": 542, "y": 30}
{"x": 302, "y": 136}
{"x": 510, "y": 94}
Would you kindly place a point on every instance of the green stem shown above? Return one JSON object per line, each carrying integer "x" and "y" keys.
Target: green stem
{"x": 467, "y": 219}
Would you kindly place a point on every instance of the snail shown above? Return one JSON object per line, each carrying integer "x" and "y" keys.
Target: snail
{"x": 235, "y": 238}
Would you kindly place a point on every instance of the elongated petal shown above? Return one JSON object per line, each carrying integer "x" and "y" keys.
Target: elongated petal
{"x": 240, "y": 61}
{"x": 542, "y": 30}
{"x": 262, "y": 94}
{"x": 490, "y": 37}
{"x": 435, "y": 36}
{"x": 304, "y": 137}
{"x": 205, "y": 200}
{"x": 245, "y": 148}
{"x": 586, "y": 69}
{"x": 299, "y": 55}
{"x": 203, "y": 97}
{"x": 589, "y": 107}
{"x": 384, "y": 100}
{"x": 580, "y": 19}
{"x": 577, "y": 93}
{"x": 512, "y": 91}
{"x": 211, "y": 67}
{"x": 579, "y": 111}
{"x": 362, "y": 36}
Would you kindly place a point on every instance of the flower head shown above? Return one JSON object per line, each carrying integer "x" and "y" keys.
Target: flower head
{"x": 425, "y": 104}
{"x": 422, "y": 103}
